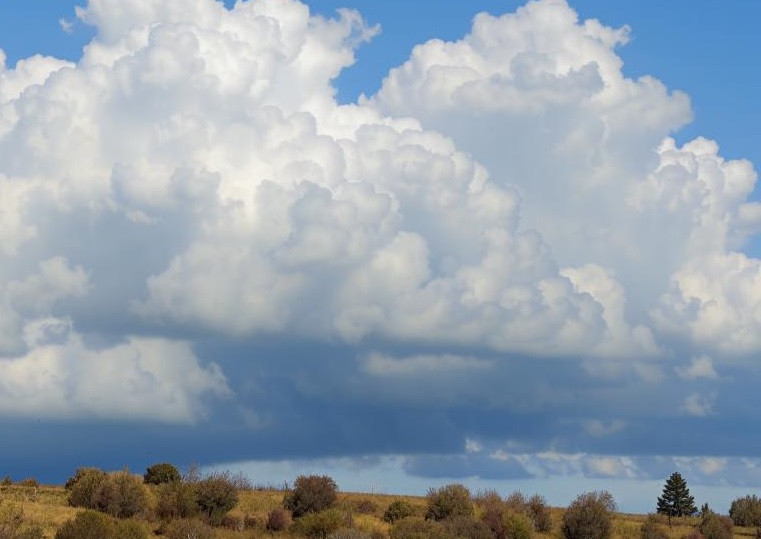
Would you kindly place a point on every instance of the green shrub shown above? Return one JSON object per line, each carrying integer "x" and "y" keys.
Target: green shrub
{"x": 215, "y": 496}
{"x": 714, "y": 526}
{"x": 176, "y": 500}
{"x": 83, "y": 487}
{"x": 311, "y": 494}
{"x": 160, "y": 473}
{"x": 539, "y": 514}
{"x": 746, "y": 511}
{"x": 121, "y": 495}
{"x": 189, "y": 529}
{"x": 278, "y": 520}
{"x": 589, "y": 516}
{"x": 397, "y": 510}
{"x": 516, "y": 526}
{"x": 88, "y": 525}
{"x": 652, "y": 529}
{"x": 319, "y": 525}
{"x": 449, "y": 501}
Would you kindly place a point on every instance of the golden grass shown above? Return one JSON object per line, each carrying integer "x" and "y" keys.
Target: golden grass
{"x": 46, "y": 506}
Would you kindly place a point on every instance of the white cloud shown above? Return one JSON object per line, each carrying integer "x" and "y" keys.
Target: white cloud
{"x": 500, "y": 193}
{"x": 698, "y": 405}
{"x": 699, "y": 367}
{"x": 147, "y": 379}
{"x": 382, "y": 365}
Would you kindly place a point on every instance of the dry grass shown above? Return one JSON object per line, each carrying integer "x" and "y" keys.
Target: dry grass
{"x": 46, "y": 506}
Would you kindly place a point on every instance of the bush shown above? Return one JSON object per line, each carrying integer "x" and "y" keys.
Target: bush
{"x": 176, "y": 500}
{"x": 365, "y": 506}
{"x": 746, "y": 511}
{"x": 319, "y": 525}
{"x": 88, "y": 525}
{"x": 278, "y": 520}
{"x": 464, "y": 526}
{"x": 652, "y": 529}
{"x": 189, "y": 529}
{"x": 130, "y": 529}
{"x": 121, "y": 495}
{"x": 311, "y": 494}
{"x": 163, "y": 472}
{"x": 83, "y": 487}
{"x": 215, "y": 496}
{"x": 539, "y": 514}
{"x": 449, "y": 501}
{"x": 516, "y": 502}
{"x": 516, "y": 526}
{"x": 415, "y": 528}
{"x": 714, "y": 526}
{"x": 349, "y": 533}
{"x": 29, "y": 482}
{"x": 589, "y": 516}
{"x": 397, "y": 510}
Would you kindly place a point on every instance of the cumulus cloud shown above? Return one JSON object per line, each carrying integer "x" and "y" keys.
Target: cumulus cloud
{"x": 507, "y": 221}
{"x": 141, "y": 379}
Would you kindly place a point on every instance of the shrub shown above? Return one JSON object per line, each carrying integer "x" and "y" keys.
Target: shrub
{"x": 6, "y": 481}
{"x": 539, "y": 514}
{"x": 397, "y": 510}
{"x": 29, "y": 482}
{"x": 349, "y": 533}
{"x": 278, "y": 520}
{"x": 160, "y": 473}
{"x": 714, "y": 526}
{"x": 516, "y": 502}
{"x": 176, "y": 500}
{"x": 189, "y": 529}
{"x": 311, "y": 494}
{"x": 365, "y": 506}
{"x": 121, "y": 495}
{"x": 83, "y": 486}
{"x": 589, "y": 516}
{"x": 88, "y": 525}
{"x": 652, "y": 529}
{"x": 415, "y": 528}
{"x": 467, "y": 526}
{"x": 516, "y": 526}
{"x": 130, "y": 529}
{"x": 233, "y": 522}
{"x": 215, "y": 496}
{"x": 746, "y": 511}
{"x": 449, "y": 501}
{"x": 319, "y": 525}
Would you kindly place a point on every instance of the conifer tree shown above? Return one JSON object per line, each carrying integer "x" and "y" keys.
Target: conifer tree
{"x": 676, "y": 500}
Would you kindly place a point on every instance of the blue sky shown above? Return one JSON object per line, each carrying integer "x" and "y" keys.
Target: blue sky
{"x": 401, "y": 245}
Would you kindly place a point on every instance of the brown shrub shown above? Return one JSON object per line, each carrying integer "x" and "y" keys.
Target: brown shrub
{"x": 278, "y": 520}
{"x": 311, "y": 494}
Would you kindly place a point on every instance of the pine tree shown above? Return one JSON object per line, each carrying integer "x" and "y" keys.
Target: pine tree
{"x": 676, "y": 500}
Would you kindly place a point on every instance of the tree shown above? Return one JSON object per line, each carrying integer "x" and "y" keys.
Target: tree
{"x": 449, "y": 501}
{"x": 676, "y": 500}
{"x": 589, "y": 516}
{"x": 162, "y": 472}
{"x": 746, "y": 511}
{"x": 311, "y": 494}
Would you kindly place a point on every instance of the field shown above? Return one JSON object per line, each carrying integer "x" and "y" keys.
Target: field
{"x": 46, "y": 507}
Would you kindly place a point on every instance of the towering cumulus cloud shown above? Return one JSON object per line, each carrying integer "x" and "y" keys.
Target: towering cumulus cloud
{"x": 506, "y": 223}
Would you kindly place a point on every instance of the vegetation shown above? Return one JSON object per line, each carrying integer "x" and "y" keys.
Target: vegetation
{"x": 449, "y": 501}
{"x": 746, "y": 511}
{"x": 676, "y": 500}
{"x": 311, "y": 494}
{"x": 160, "y": 473}
{"x": 173, "y": 510}
{"x": 589, "y": 516}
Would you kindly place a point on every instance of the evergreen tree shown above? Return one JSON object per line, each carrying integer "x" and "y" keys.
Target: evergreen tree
{"x": 676, "y": 500}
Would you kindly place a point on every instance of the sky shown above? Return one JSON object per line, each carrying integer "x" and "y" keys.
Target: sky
{"x": 504, "y": 244}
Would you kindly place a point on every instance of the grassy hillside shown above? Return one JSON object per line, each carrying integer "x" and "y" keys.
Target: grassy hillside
{"x": 47, "y": 508}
